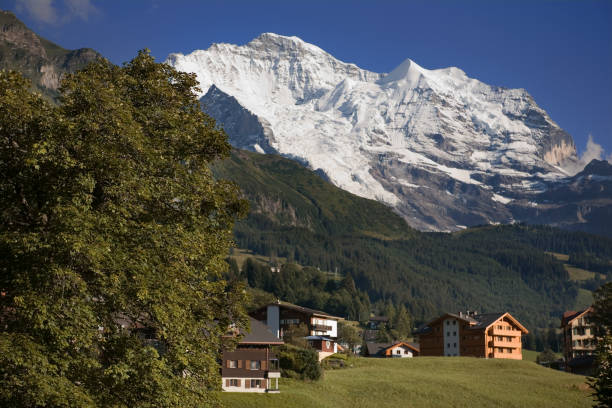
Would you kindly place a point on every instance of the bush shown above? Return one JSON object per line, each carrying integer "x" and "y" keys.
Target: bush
{"x": 299, "y": 363}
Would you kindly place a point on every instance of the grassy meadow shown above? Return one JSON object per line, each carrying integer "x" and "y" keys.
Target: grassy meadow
{"x": 428, "y": 382}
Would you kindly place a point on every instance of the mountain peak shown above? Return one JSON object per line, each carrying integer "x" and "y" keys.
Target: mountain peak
{"x": 399, "y": 138}
{"x": 408, "y": 70}
{"x": 283, "y": 43}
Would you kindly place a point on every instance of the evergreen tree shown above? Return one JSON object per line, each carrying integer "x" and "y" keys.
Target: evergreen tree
{"x": 601, "y": 382}
{"x": 110, "y": 219}
{"x": 401, "y": 323}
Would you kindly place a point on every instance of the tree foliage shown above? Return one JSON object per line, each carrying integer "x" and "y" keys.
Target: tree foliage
{"x": 111, "y": 221}
{"x": 349, "y": 334}
{"x": 601, "y": 382}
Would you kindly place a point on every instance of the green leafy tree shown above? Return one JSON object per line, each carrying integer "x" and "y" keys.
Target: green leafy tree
{"x": 349, "y": 334}
{"x": 295, "y": 334}
{"x": 601, "y": 382}
{"x": 110, "y": 220}
{"x": 547, "y": 356}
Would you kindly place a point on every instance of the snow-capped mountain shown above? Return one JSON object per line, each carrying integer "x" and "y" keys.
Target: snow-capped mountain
{"x": 443, "y": 149}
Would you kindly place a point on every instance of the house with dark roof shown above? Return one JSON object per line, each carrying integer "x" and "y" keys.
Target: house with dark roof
{"x": 397, "y": 349}
{"x": 487, "y": 335}
{"x": 377, "y": 322}
{"x": 580, "y": 344}
{"x": 279, "y": 316}
{"x": 252, "y": 366}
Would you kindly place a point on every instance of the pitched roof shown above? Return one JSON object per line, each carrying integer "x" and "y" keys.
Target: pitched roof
{"x": 485, "y": 320}
{"x": 259, "y": 334}
{"x": 302, "y": 309}
{"x": 378, "y": 349}
{"x": 571, "y": 315}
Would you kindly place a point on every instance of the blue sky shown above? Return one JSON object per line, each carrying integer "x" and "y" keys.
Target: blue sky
{"x": 560, "y": 51}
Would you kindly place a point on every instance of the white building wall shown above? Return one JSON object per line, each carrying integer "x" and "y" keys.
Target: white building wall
{"x": 327, "y": 322}
{"x": 450, "y": 329}
{"x": 242, "y": 387}
{"x": 273, "y": 319}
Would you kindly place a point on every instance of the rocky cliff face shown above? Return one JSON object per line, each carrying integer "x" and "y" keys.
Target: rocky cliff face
{"x": 40, "y": 60}
{"x": 445, "y": 150}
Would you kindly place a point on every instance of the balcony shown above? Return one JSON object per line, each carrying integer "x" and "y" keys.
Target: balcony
{"x": 321, "y": 327}
{"x": 506, "y": 344}
{"x": 502, "y": 332}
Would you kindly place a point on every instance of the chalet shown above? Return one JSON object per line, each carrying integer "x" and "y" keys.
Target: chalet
{"x": 488, "y": 335}
{"x": 252, "y": 366}
{"x": 580, "y": 345}
{"x": 279, "y": 316}
{"x": 398, "y": 349}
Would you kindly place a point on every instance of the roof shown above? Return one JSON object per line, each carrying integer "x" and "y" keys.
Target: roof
{"x": 318, "y": 338}
{"x": 380, "y": 348}
{"x": 379, "y": 319}
{"x": 301, "y": 309}
{"x": 259, "y": 334}
{"x": 571, "y": 315}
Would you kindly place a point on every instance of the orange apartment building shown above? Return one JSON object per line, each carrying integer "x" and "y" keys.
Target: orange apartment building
{"x": 487, "y": 335}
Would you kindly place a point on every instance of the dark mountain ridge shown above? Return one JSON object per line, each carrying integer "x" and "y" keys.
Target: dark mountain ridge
{"x": 40, "y": 60}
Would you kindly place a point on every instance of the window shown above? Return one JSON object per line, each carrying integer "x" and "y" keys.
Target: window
{"x": 454, "y": 322}
{"x": 454, "y": 333}
{"x": 448, "y": 333}
{"x": 234, "y": 382}
{"x": 232, "y": 364}
{"x": 255, "y": 365}
{"x": 255, "y": 383}
{"x": 448, "y": 345}
{"x": 398, "y": 351}
{"x": 455, "y": 345}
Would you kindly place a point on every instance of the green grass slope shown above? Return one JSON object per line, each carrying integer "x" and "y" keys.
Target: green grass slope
{"x": 428, "y": 382}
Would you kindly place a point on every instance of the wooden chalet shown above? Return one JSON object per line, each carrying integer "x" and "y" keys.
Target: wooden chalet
{"x": 279, "y": 316}
{"x": 487, "y": 335}
{"x": 398, "y": 349}
{"x": 252, "y": 366}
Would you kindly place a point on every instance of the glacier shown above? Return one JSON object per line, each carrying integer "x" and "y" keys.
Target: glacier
{"x": 405, "y": 138}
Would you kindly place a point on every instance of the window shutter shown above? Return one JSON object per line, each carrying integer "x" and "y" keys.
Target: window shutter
{"x": 264, "y": 364}
{"x": 247, "y": 383}
{"x": 262, "y": 384}
{"x": 227, "y": 363}
{"x": 239, "y": 363}
{"x": 239, "y": 381}
{"x": 248, "y": 364}
{"x": 227, "y": 383}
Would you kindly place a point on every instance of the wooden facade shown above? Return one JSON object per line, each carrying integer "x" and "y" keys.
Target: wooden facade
{"x": 252, "y": 366}
{"x": 491, "y": 335}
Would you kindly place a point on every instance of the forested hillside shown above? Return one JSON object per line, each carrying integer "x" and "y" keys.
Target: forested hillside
{"x": 297, "y": 215}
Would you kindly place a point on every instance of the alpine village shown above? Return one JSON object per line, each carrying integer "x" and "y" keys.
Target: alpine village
{"x": 264, "y": 225}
